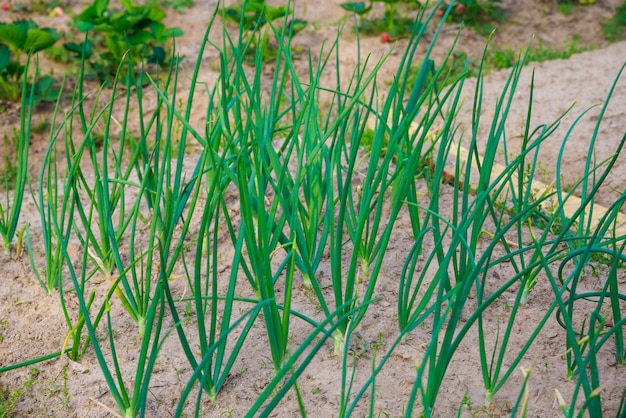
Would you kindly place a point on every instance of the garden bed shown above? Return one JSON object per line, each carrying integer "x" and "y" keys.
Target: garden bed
{"x": 476, "y": 315}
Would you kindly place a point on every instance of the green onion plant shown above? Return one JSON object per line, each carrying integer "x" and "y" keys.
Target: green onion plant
{"x": 10, "y": 210}
{"x": 464, "y": 266}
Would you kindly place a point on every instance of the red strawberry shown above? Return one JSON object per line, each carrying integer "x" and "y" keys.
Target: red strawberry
{"x": 460, "y": 8}
{"x": 439, "y": 12}
{"x": 5, "y": 7}
{"x": 385, "y": 38}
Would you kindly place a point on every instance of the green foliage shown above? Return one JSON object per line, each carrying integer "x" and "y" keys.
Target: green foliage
{"x": 506, "y": 57}
{"x": 8, "y": 169}
{"x": 178, "y": 5}
{"x": 133, "y": 33}
{"x": 58, "y": 53}
{"x": 566, "y": 7}
{"x": 614, "y": 29}
{"x": 587, "y": 2}
{"x": 254, "y": 13}
{"x": 10, "y": 206}
{"x": 481, "y": 15}
{"x": 499, "y": 58}
{"x": 395, "y": 20}
{"x": 9, "y": 398}
{"x": 41, "y": 127}
{"x": 23, "y": 36}
{"x": 8, "y": 401}
{"x": 278, "y": 179}
{"x": 456, "y": 65}
{"x": 253, "y": 16}
{"x": 34, "y": 6}
{"x": 502, "y": 58}
{"x": 18, "y": 39}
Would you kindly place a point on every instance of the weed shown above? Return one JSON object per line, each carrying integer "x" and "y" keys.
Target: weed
{"x": 9, "y": 398}
{"x": 506, "y": 57}
{"x": 41, "y": 127}
{"x": 565, "y": 8}
{"x": 178, "y": 5}
{"x": 614, "y": 28}
{"x": 3, "y": 325}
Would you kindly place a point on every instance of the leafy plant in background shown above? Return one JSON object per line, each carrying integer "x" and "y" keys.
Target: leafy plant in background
{"x": 478, "y": 14}
{"x": 42, "y": 7}
{"x": 178, "y": 5}
{"x": 253, "y": 16}
{"x": 134, "y": 32}
{"x": 17, "y": 40}
{"x": 566, "y": 7}
{"x": 614, "y": 29}
{"x": 395, "y": 21}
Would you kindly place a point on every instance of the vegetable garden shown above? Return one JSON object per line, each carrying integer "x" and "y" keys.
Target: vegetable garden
{"x": 262, "y": 241}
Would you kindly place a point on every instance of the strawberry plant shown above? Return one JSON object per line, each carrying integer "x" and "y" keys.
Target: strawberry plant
{"x": 178, "y": 5}
{"x": 395, "y": 22}
{"x": 137, "y": 31}
{"x": 253, "y": 15}
{"x": 478, "y": 14}
{"x": 17, "y": 40}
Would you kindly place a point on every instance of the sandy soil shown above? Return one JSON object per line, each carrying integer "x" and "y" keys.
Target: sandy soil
{"x": 32, "y": 324}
